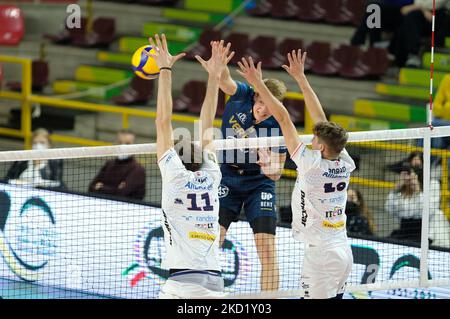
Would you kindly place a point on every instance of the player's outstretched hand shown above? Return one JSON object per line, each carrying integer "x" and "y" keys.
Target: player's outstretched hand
{"x": 251, "y": 73}
{"x": 296, "y": 67}
{"x": 162, "y": 55}
{"x": 220, "y": 57}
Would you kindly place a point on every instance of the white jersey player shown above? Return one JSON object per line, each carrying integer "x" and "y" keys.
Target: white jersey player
{"x": 190, "y": 181}
{"x": 320, "y": 193}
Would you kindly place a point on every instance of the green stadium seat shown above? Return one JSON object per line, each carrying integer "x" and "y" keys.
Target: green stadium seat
{"x": 406, "y": 91}
{"x": 173, "y": 32}
{"x": 441, "y": 61}
{"x": 101, "y": 75}
{"x": 352, "y": 123}
{"x": 114, "y": 57}
{"x": 192, "y": 16}
{"x": 67, "y": 87}
{"x": 217, "y": 6}
{"x": 131, "y": 44}
{"x": 447, "y": 42}
{"x": 390, "y": 110}
{"x": 419, "y": 77}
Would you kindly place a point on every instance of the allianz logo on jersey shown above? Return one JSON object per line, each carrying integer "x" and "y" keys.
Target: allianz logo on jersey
{"x": 200, "y": 183}
{"x": 336, "y": 172}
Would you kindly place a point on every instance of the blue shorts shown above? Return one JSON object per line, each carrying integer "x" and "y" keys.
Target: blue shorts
{"x": 255, "y": 193}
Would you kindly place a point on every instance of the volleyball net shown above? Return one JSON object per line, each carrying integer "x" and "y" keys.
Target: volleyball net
{"x": 78, "y": 239}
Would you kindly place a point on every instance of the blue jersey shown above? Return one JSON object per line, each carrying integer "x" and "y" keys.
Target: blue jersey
{"x": 238, "y": 122}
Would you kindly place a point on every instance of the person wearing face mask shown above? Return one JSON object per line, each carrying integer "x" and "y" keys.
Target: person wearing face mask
{"x": 123, "y": 176}
{"x": 40, "y": 173}
{"x": 406, "y": 203}
{"x": 359, "y": 219}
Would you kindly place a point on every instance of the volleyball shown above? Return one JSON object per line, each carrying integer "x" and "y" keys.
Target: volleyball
{"x": 145, "y": 66}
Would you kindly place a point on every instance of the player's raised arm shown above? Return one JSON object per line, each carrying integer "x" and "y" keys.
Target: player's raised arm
{"x": 254, "y": 77}
{"x": 227, "y": 84}
{"x": 220, "y": 57}
{"x": 164, "y": 104}
{"x": 296, "y": 69}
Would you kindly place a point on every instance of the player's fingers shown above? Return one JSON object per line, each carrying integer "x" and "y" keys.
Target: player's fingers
{"x": 241, "y": 66}
{"x": 284, "y": 66}
{"x": 199, "y": 59}
{"x": 245, "y": 62}
{"x": 259, "y": 66}
{"x": 298, "y": 55}
{"x": 152, "y": 43}
{"x": 230, "y": 57}
{"x": 290, "y": 59}
{"x": 178, "y": 57}
{"x": 294, "y": 55}
{"x": 304, "y": 57}
{"x": 158, "y": 41}
{"x": 227, "y": 48}
{"x": 250, "y": 62}
{"x": 164, "y": 43}
{"x": 240, "y": 73}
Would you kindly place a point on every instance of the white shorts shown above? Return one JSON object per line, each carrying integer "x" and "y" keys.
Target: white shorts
{"x": 325, "y": 271}
{"x": 180, "y": 290}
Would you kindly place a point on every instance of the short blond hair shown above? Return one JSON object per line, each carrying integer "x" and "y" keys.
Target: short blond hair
{"x": 276, "y": 87}
{"x": 43, "y": 132}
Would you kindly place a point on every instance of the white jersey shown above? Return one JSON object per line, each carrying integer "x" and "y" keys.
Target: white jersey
{"x": 190, "y": 205}
{"x": 320, "y": 196}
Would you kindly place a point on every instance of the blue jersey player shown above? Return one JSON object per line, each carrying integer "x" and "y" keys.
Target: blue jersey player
{"x": 249, "y": 175}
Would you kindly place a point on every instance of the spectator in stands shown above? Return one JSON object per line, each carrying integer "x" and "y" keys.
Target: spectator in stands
{"x": 406, "y": 203}
{"x": 123, "y": 176}
{"x": 415, "y": 159}
{"x": 415, "y": 24}
{"x": 391, "y": 18}
{"x": 359, "y": 219}
{"x": 39, "y": 173}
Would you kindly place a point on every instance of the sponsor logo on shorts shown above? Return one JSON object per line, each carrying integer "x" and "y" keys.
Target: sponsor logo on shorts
{"x": 266, "y": 196}
{"x": 223, "y": 191}
{"x": 202, "y": 236}
{"x": 305, "y": 288}
{"x": 266, "y": 201}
